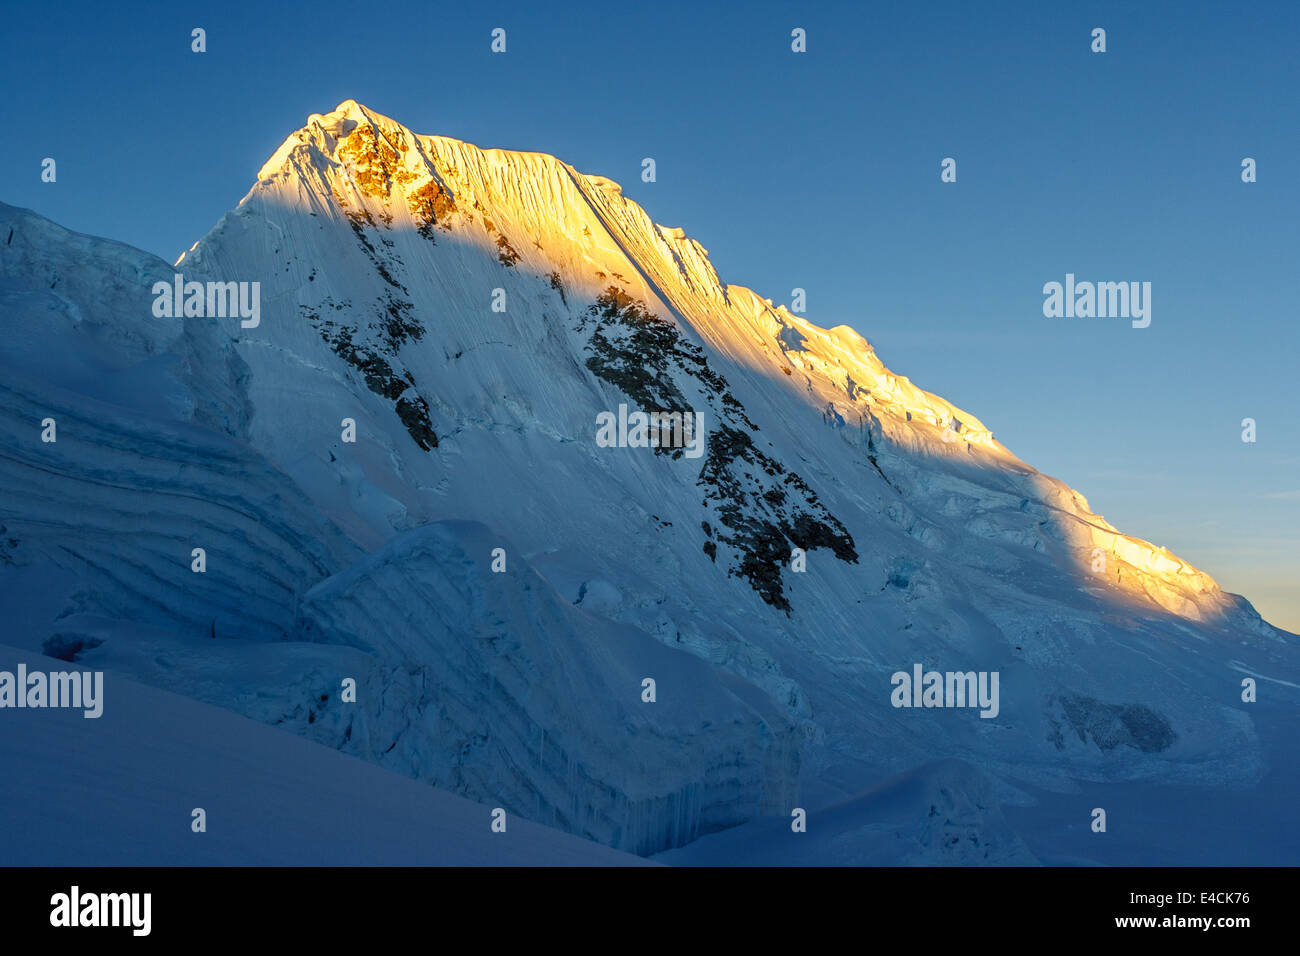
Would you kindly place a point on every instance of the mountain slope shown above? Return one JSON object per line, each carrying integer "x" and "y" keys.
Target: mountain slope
{"x": 149, "y": 461}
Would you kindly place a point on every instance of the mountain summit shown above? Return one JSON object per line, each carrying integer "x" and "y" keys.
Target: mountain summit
{"x": 438, "y": 225}
{"x": 502, "y": 583}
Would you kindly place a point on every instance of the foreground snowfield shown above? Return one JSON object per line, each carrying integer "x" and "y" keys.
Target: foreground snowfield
{"x": 380, "y": 255}
{"x": 120, "y": 790}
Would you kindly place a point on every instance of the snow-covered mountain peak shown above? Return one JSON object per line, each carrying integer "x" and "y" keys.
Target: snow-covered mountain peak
{"x": 436, "y": 220}
{"x": 442, "y": 329}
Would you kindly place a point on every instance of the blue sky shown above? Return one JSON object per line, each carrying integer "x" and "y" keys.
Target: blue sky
{"x": 816, "y": 170}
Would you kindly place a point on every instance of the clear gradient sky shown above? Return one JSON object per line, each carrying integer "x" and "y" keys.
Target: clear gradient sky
{"x": 816, "y": 170}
